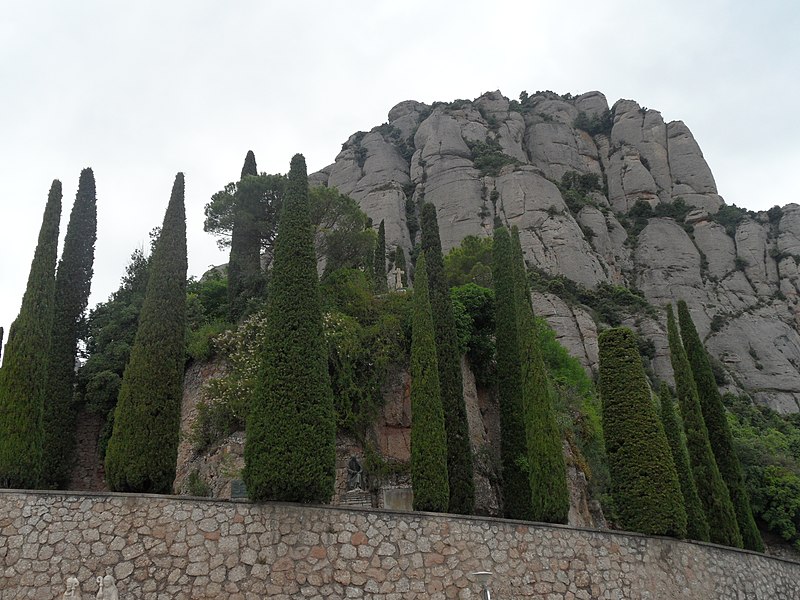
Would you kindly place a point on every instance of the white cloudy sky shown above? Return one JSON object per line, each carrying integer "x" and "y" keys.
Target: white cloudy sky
{"x": 142, "y": 90}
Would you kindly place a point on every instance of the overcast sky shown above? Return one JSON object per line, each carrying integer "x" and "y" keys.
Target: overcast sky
{"x": 139, "y": 91}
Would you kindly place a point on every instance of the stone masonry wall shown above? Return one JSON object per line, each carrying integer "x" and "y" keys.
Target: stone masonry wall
{"x": 178, "y": 549}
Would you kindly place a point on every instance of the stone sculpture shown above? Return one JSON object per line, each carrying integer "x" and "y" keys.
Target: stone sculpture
{"x": 73, "y": 589}
{"x": 355, "y": 475}
{"x": 107, "y": 588}
{"x": 398, "y": 278}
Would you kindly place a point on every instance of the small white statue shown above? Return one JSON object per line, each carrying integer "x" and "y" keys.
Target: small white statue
{"x": 398, "y": 278}
{"x": 73, "y": 589}
{"x": 107, "y": 588}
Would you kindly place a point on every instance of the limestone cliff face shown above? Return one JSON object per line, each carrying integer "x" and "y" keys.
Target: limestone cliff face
{"x": 740, "y": 281}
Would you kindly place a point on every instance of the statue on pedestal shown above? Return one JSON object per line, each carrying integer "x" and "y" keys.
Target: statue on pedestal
{"x": 73, "y": 589}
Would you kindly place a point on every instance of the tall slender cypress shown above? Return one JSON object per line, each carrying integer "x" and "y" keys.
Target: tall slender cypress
{"x": 516, "y": 487}
{"x": 712, "y": 490}
{"x": 645, "y": 485}
{"x": 379, "y": 260}
{"x": 290, "y": 451}
{"x": 2, "y": 333}
{"x": 719, "y": 432}
{"x": 696, "y": 522}
{"x": 459, "y": 451}
{"x": 547, "y": 470}
{"x": 245, "y": 280}
{"x": 143, "y": 448}
{"x": 24, "y": 371}
{"x": 429, "y": 476}
{"x": 73, "y": 284}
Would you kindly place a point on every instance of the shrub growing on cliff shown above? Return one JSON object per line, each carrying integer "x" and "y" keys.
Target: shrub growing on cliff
{"x": 645, "y": 484}
{"x": 719, "y": 433}
{"x": 429, "y": 451}
{"x": 291, "y": 428}
{"x": 459, "y": 452}
{"x": 143, "y": 448}
{"x": 547, "y": 472}
{"x": 24, "y": 371}
{"x": 713, "y": 493}
{"x": 513, "y": 445}
{"x": 73, "y": 283}
{"x": 697, "y": 525}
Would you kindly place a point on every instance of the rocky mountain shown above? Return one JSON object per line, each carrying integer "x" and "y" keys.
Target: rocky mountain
{"x": 618, "y": 212}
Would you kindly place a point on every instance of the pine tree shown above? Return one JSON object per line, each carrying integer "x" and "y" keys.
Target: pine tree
{"x": 24, "y": 371}
{"x": 400, "y": 263}
{"x": 696, "y": 523}
{"x": 143, "y": 448}
{"x": 245, "y": 280}
{"x": 73, "y": 284}
{"x": 429, "y": 475}
{"x": 711, "y": 488}
{"x": 459, "y": 451}
{"x": 379, "y": 261}
{"x": 516, "y": 487}
{"x": 719, "y": 432}
{"x": 547, "y": 470}
{"x": 290, "y": 452}
{"x": 645, "y": 485}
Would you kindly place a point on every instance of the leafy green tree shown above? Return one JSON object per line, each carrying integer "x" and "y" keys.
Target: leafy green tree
{"x": 696, "y": 523}
{"x": 470, "y": 262}
{"x": 245, "y": 279}
{"x": 645, "y": 484}
{"x": 429, "y": 474}
{"x": 73, "y": 284}
{"x": 459, "y": 451}
{"x": 547, "y": 471}
{"x": 400, "y": 263}
{"x": 516, "y": 487}
{"x": 143, "y": 448}
{"x": 379, "y": 268}
{"x": 719, "y": 433}
{"x": 290, "y": 452}
{"x": 24, "y": 371}
{"x": 343, "y": 234}
{"x": 712, "y": 490}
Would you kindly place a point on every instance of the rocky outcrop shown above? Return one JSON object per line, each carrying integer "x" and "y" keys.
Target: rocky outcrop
{"x": 492, "y": 159}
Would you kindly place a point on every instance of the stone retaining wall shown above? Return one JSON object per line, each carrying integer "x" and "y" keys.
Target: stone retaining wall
{"x": 170, "y": 548}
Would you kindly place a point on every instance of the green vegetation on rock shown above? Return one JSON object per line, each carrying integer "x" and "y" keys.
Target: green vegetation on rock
{"x": 142, "y": 452}
{"x": 24, "y": 371}
{"x": 644, "y": 480}
{"x": 379, "y": 266}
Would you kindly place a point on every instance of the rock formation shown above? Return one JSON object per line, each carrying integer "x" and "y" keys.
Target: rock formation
{"x": 491, "y": 158}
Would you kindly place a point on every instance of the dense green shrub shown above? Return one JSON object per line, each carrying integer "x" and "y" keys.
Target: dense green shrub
{"x": 142, "y": 452}
{"x": 24, "y": 371}
{"x": 730, "y": 216}
{"x": 291, "y": 426}
{"x": 596, "y": 124}
{"x": 476, "y": 329}
{"x": 489, "y": 157}
{"x": 429, "y": 473}
{"x": 697, "y": 525}
{"x": 470, "y": 262}
{"x": 645, "y": 483}
{"x": 719, "y": 433}
{"x": 459, "y": 451}
{"x": 717, "y": 505}
{"x": 516, "y": 489}
{"x": 73, "y": 283}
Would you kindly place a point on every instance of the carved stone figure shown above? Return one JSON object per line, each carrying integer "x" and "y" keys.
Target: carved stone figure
{"x": 107, "y": 588}
{"x": 355, "y": 475}
{"x": 73, "y": 589}
{"x": 398, "y": 278}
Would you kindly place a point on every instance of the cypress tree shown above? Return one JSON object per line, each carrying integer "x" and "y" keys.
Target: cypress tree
{"x": 290, "y": 450}
{"x": 2, "y": 333}
{"x": 429, "y": 475}
{"x": 644, "y": 480}
{"x": 696, "y": 523}
{"x": 143, "y": 448}
{"x": 547, "y": 471}
{"x": 73, "y": 284}
{"x": 400, "y": 263}
{"x": 24, "y": 369}
{"x": 459, "y": 451}
{"x": 245, "y": 280}
{"x": 516, "y": 487}
{"x": 719, "y": 432}
{"x": 712, "y": 490}
{"x": 379, "y": 260}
